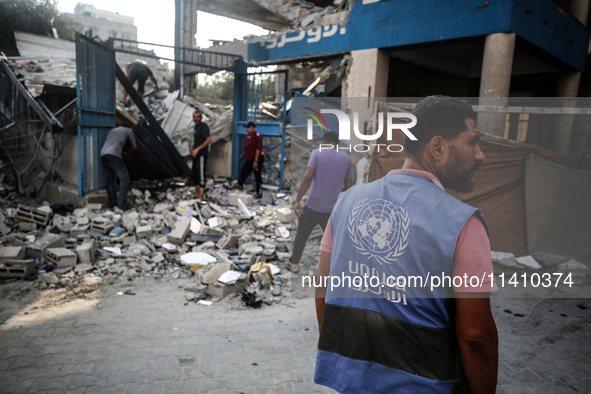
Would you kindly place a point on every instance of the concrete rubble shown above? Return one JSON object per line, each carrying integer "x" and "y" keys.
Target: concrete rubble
{"x": 235, "y": 249}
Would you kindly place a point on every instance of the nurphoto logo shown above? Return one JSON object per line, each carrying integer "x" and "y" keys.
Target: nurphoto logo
{"x": 344, "y": 131}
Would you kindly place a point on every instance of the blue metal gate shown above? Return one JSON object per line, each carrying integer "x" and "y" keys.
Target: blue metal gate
{"x": 95, "y": 87}
{"x": 262, "y": 97}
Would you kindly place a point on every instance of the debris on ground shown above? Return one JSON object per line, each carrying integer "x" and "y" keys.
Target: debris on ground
{"x": 230, "y": 245}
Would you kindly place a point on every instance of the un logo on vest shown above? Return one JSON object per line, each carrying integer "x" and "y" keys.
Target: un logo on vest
{"x": 379, "y": 229}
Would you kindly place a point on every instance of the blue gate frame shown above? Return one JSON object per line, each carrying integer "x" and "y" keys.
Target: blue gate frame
{"x": 95, "y": 92}
{"x": 248, "y": 92}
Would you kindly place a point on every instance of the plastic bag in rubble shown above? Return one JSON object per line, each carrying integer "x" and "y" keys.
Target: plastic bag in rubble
{"x": 251, "y": 299}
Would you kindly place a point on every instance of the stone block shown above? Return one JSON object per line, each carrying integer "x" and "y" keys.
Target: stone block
{"x": 78, "y": 230}
{"x": 215, "y": 221}
{"x": 197, "y": 260}
{"x": 233, "y": 224}
{"x": 211, "y": 272}
{"x": 41, "y": 215}
{"x": 284, "y": 215}
{"x": 16, "y": 268}
{"x": 143, "y": 231}
{"x": 85, "y": 253}
{"x": 61, "y": 257}
{"x": 246, "y": 199}
{"x": 101, "y": 224}
{"x": 38, "y": 248}
{"x": 221, "y": 290}
{"x": 179, "y": 233}
{"x": 228, "y": 242}
{"x": 27, "y": 226}
{"x": 8, "y": 253}
{"x": 246, "y": 245}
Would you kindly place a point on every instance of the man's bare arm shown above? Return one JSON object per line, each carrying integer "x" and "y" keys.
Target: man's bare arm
{"x": 348, "y": 184}
{"x": 304, "y": 186}
{"x": 323, "y": 270}
{"x": 478, "y": 342}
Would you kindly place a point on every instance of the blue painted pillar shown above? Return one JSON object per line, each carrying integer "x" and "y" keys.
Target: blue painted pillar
{"x": 240, "y": 110}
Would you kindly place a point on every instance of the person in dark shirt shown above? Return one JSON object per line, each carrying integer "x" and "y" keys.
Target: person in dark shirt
{"x": 254, "y": 159}
{"x": 201, "y": 141}
{"x": 140, "y": 72}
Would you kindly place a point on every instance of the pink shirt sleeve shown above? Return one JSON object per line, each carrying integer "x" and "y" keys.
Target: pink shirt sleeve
{"x": 472, "y": 258}
{"x": 326, "y": 243}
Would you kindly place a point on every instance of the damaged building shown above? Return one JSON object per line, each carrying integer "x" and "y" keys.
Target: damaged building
{"x": 500, "y": 53}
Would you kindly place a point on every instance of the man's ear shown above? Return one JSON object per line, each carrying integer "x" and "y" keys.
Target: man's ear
{"x": 436, "y": 147}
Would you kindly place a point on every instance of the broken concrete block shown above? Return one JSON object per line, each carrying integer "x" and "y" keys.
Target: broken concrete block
{"x": 85, "y": 253}
{"x": 505, "y": 262}
{"x": 216, "y": 208}
{"x": 246, "y": 245}
{"x": 282, "y": 232}
{"x": 27, "y": 226}
{"x": 143, "y": 231}
{"x": 244, "y": 209}
{"x": 262, "y": 222}
{"x": 284, "y": 215}
{"x": 228, "y": 242}
{"x": 102, "y": 225}
{"x": 253, "y": 250}
{"x": 528, "y": 262}
{"x": 206, "y": 212}
{"x": 197, "y": 260}
{"x": 196, "y": 226}
{"x": 577, "y": 270}
{"x": 37, "y": 249}
{"x": 84, "y": 268}
{"x": 78, "y": 230}
{"x": 16, "y": 268}
{"x": 83, "y": 221}
{"x": 221, "y": 290}
{"x": 130, "y": 219}
{"x": 215, "y": 221}
{"x": 162, "y": 207}
{"x": 128, "y": 240}
{"x": 159, "y": 241}
{"x": 181, "y": 230}
{"x": 49, "y": 278}
{"x": 8, "y": 253}
{"x": 233, "y": 224}
{"x": 231, "y": 277}
{"x": 246, "y": 199}
{"x": 41, "y": 215}
{"x": 61, "y": 257}
{"x": 211, "y": 272}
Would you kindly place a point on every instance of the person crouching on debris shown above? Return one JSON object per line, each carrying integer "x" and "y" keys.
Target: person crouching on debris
{"x": 201, "y": 141}
{"x": 140, "y": 72}
{"x": 254, "y": 159}
{"x": 112, "y": 160}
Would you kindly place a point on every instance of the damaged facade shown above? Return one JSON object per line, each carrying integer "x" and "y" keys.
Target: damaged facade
{"x": 327, "y": 50}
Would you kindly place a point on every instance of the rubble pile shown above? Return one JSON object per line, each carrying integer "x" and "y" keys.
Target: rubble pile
{"x": 232, "y": 244}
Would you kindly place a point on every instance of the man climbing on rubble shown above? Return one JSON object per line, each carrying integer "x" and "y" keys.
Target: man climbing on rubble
{"x": 112, "y": 160}
{"x": 199, "y": 148}
{"x": 139, "y": 71}
{"x": 327, "y": 171}
{"x": 254, "y": 159}
{"x": 386, "y": 332}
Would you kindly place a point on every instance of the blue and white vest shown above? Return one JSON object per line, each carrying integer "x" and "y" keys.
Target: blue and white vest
{"x": 386, "y": 332}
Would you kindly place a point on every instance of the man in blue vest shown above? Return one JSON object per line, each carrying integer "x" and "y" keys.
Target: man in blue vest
{"x": 405, "y": 308}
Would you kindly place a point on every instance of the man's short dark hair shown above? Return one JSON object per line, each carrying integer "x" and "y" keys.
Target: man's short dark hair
{"x": 437, "y": 115}
{"x": 331, "y": 136}
{"x": 197, "y": 112}
{"x": 125, "y": 124}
